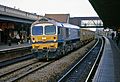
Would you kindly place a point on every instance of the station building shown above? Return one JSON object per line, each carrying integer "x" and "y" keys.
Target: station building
{"x": 14, "y": 21}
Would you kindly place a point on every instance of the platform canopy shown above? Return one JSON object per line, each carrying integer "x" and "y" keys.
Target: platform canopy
{"x": 108, "y": 11}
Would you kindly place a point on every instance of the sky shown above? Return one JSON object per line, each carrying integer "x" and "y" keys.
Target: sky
{"x": 76, "y": 8}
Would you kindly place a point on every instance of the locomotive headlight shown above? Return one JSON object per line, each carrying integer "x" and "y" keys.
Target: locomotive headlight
{"x": 33, "y": 39}
{"x": 55, "y": 40}
{"x": 54, "y": 37}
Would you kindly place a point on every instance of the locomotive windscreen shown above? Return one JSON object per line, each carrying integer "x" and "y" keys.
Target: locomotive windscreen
{"x": 37, "y": 30}
{"x": 50, "y": 29}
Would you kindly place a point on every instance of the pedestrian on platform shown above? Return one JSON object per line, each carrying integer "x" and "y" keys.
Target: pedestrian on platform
{"x": 18, "y": 39}
{"x": 9, "y": 42}
{"x": 112, "y": 35}
{"x": 21, "y": 38}
{"x": 118, "y": 38}
{"x": 9, "y": 39}
{"x": 28, "y": 39}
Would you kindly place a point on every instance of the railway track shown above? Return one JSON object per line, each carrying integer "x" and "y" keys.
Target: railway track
{"x": 16, "y": 49}
{"x": 11, "y": 53}
{"x": 16, "y": 74}
{"x": 15, "y": 60}
{"x": 80, "y": 71}
{"x": 16, "y": 68}
{"x": 95, "y": 65}
{"x": 22, "y": 71}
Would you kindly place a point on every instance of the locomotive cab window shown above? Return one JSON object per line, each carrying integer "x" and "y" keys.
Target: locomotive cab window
{"x": 37, "y": 30}
{"x": 78, "y": 33}
{"x": 50, "y": 29}
{"x": 59, "y": 31}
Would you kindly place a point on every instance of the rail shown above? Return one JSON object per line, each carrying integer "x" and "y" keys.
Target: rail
{"x": 19, "y": 73}
{"x": 15, "y": 60}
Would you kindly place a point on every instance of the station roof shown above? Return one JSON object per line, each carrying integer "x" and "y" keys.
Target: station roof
{"x": 64, "y": 18}
{"x": 108, "y": 11}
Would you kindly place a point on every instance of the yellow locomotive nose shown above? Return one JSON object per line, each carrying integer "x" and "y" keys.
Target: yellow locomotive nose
{"x": 44, "y": 39}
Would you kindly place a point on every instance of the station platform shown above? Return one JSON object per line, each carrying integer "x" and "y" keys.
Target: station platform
{"x": 109, "y": 66}
{"x": 14, "y": 46}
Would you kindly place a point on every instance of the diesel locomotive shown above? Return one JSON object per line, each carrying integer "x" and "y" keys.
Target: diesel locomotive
{"x": 52, "y": 39}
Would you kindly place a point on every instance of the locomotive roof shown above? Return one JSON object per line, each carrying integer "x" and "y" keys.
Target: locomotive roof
{"x": 67, "y": 25}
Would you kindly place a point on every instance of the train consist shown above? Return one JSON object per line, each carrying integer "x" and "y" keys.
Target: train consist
{"x": 52, "y": 39}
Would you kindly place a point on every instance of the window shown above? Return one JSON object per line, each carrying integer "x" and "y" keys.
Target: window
{"x": 59, "y": 31}
{"x": 37, "y": 30}
{"x": 67, "y": 32}
{"x": 50, "y": 29}
{"x": 78, "y": 32}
